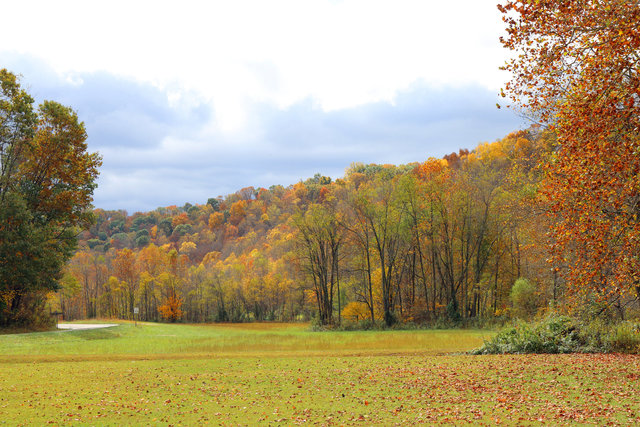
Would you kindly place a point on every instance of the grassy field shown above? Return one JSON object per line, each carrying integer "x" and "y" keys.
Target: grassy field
{"x": 284, "y": 374}
{"x": 259, "y": 339}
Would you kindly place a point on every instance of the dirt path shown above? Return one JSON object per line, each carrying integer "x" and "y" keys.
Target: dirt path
{"x": 79, "y": 326}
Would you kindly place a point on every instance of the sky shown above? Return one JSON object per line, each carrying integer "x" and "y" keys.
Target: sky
{"x": 195, "y": 99}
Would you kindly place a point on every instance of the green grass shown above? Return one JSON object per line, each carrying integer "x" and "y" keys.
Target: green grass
{"x": 150, "y": 339}
{"x": 286, "y": 375}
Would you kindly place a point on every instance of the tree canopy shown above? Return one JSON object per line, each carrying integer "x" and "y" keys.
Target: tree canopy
{"x": 576, "y": 69}
{"x": 47, "y": 180}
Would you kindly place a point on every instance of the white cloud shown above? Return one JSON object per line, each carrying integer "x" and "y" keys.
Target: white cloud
{"x": 194, "y": 99}
{"x": 234, "y": 53}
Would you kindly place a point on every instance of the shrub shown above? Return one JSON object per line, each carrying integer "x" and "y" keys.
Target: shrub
{"x": 356, "y": 311}
{"x": 625, "y": 337}
{"x": 92, "y": 243}
{"x": 453, "y": 314}
{"x": 555, "y": 334}
{"x": 357, "y": 325}
{"x": 562, "y": 334}
{"x": 524, "y": 299}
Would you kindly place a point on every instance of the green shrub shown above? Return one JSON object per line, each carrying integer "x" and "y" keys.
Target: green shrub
{"x": 555, "y": 334}
{"x": 453, "y": 314}
{"x": 625, "y": 337}
{"x": 524, "y": 299}
{"x": 596, "y": 336}
{"x": 357, "y": 325}
{"x": 562, "y": 334}
{"x": 92, "y": 243}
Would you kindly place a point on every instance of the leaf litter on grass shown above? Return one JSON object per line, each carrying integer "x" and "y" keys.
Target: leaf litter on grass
{"x": 138, "y": 377}
{"x": 379, "y": 390}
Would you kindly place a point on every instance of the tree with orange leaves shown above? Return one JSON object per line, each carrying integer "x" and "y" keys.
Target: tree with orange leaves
{"x": 577, "y": 70}
{"x": 171, "y": 310}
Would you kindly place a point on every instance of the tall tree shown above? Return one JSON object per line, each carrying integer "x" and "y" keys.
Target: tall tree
{"x": 385, "y": 215}
{"x": 319, "y": 241}
{"x": 576, "y": 69}
{"x": 47, "y": 180}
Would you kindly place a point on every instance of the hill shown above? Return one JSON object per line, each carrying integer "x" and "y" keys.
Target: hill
{"x": 444, "y": 239}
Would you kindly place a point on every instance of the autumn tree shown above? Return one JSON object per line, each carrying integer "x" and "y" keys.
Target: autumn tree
{"x": 386, "y": 217}
{"x": 171, "y": 310}
{"x": 47, "y": 180}
{"x": 418, "y": 191}
{"x": 81, "y": 266}
{"x": 576, "y": 69}
{"x": 360, "y": 239}
{"x": 320, "y": 239}
{"x": 128, "y": 274}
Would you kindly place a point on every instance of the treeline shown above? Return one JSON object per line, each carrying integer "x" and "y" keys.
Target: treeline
{"x": 443, "y": 239}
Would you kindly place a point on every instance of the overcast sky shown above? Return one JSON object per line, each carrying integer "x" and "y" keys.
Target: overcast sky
{"x": 194, "y": 99}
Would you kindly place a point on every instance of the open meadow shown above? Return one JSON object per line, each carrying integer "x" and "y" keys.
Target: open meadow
{"x": 285, "y": 374}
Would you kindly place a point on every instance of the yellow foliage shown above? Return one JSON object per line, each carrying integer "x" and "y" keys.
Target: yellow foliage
{"x": 309, "y": 297}
{"x": 215, "y": 220}
{"x": 356, "y": 311}
{"x": 210, "y": 258}
{"x": 187, "y": 248}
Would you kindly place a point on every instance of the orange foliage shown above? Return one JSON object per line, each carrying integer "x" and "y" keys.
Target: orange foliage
{"x": 171, "y": 310}
{"x": 576, "y": 68}
{"x": 231, "y": 231}
{"x": 216, "y": 219}
{"x": 324, "y": 191}
{"x": 183, "y": 218}
{"x": 238, "y": 212}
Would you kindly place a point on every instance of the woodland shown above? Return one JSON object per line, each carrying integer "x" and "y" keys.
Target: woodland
{"x": 542, "y": 220}
{"x": 443, "y": 239}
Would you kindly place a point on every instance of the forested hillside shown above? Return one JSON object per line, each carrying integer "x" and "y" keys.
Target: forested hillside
{"x": 445, "y": 239}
